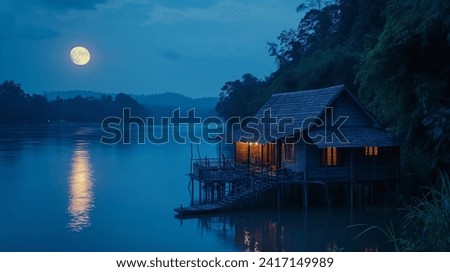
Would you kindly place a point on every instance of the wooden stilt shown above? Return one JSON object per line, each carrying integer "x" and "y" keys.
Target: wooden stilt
{"x": 305, "y": 184}
{"x": 278, "y": 196}
{"x": 327, "y": 195}
{"x": 352, "y": 178}
{"x": 351, "y": 193}
{"x": 199, "y": 192}
{"x": 305, "y": 195}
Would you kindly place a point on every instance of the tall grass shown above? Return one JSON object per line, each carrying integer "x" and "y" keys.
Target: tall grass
{"x": 387, "y": 230}
{"x": 427, "y": 221}
{"x": 427, "y": 226}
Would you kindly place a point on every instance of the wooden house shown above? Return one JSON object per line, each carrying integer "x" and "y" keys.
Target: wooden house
{"x": 324, "y": 137}
{"x": 365, "y": 153}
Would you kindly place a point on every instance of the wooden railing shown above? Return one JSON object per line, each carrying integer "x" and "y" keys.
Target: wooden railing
{"x": 225, "y": 170}
{"x": 239, "y": 181}
{"x": 215, "y": 170}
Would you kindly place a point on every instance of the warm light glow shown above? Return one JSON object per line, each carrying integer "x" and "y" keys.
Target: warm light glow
{"x": 334, "y": 156}
{"x": 81, "y": 195}
{"x": 79, "y": 55}
{"x": 331, "y": 156}
{"x": 371, "y": 150}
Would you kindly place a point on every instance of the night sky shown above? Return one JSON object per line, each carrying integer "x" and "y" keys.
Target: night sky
{"x": 139, "y": 46}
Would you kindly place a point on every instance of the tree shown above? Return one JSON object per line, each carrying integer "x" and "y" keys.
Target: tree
{"x": 12, "y": 101}
{"x": 324, "y": 50}
{"x": 315, "y": 30}
{"x": 235, "y": 98}
{"x": 404, "y": 78}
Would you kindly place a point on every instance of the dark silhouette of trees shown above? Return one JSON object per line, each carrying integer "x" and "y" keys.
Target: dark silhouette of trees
{"x": 18, "y": 107}
{"x": 12, "y": 103}
{"x": 237, "y": 98}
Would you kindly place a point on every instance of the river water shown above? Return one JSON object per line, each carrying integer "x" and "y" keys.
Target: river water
{"x": 62, "y": 190}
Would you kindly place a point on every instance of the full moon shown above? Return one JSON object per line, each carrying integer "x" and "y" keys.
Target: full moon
{"x": 79, "y": 55}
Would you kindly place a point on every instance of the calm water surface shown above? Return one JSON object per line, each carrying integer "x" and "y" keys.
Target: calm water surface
{"x": 61, "y": 190}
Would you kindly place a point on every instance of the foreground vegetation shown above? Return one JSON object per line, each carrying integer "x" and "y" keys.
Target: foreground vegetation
{"x": 427, "y": 221}
{"x": 427, "y": 226}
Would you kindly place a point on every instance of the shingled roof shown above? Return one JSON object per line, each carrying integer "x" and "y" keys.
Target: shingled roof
{"x": 301, "y": 104}
{"x": 310, "y": 104}
{"x": 357, "y": 137}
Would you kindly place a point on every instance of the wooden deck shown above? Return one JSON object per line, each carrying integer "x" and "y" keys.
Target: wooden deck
{"x": 226, "y": 184}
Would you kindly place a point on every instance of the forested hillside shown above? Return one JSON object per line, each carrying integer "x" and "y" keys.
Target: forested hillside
{"x": 394, "y": 54}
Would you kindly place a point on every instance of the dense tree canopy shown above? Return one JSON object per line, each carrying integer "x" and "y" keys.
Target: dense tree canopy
{"x": 325, "y": 49}
{"x": 404, "y": 79}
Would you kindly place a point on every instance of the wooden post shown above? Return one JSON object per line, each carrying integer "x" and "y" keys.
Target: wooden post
{"x": 374, "y": 178}
{"x": 373, "y": 167}
{"x": 278, "y": 196}
{"x": 327, "y": 192}
{"x": 248, "y": 156}
{"x": 305, "y": 228}
{"x": 326, "y": 164}
{"x": 262, "y": 157}
{"x": 398, "y": 177}
{"x": 199, "y": 192}
{"x": 278, "y": 147}
{"x": 220, "y": 155}
{"x": 192, "y": 190}
{"x": 192, "y": 157}
{"x": 352, "y": 178}
{"x": 235, "y": 152}
{"x": 305, "y": 189}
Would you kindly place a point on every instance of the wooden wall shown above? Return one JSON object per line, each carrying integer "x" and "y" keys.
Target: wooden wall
{"x": 345, "y": 106}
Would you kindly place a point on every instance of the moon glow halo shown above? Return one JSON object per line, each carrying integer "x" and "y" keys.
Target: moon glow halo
{"x": 79, "y": 55}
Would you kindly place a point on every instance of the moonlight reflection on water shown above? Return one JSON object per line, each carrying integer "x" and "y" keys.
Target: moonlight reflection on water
{"x": 80, "y": 190}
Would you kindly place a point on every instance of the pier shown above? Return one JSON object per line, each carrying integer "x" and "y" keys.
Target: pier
{"x": 221, "y": 184}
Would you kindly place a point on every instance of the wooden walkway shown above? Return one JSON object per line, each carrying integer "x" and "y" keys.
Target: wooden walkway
{"x": 254, "y": 187}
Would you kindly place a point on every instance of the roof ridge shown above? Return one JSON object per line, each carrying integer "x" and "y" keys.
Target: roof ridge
{"x": 341, "y": 86}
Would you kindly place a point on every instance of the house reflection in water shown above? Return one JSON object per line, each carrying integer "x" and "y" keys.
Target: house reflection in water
{"x": 294, "y": 229}
{"x": 80, "y": 190}
{"x": 258, "y": 231}
{"x": 268, "y": 236}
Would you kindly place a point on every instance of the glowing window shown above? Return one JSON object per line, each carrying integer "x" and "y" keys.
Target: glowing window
{"x": 371, "y": 151}
{"x": 330, "y": 156}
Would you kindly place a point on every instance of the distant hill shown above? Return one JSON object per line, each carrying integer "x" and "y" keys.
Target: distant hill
{"x": 175, "y": 100}
{"x": 160, "y": 105}
{"x": 71, "y": 94}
